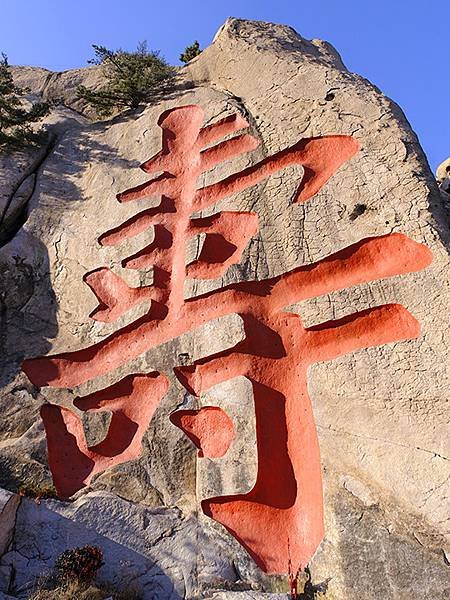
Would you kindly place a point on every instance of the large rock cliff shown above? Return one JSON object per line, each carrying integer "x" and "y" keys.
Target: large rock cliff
{"x": 380, "y": 412}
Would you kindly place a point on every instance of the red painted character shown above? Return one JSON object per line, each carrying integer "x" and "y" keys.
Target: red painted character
{"x": 281, "y": 518}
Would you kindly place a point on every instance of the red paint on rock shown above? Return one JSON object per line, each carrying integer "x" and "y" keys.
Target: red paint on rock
{"x": 115, "y": 296}
{"x": 284, "y": 509}
{"x": 132, "y": 402}
{"x": 227, "y": 235}
{"x": 281, "y": 518}
{"x": 209, "y": 428}
{"x": 368, "y": 260}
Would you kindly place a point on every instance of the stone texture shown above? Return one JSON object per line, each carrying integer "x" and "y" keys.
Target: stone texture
{"x": 61, "y": 87}
{"x": 381, "y": 413}
{"x": 128, "y": 535}
{"x": 149, "y": 549}
{"x": 245, "y": 596}
{"x": 8, "y": 511}
{"x": 8, "y": 508}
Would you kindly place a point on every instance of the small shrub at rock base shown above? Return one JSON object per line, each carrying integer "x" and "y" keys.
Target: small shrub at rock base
{"x": 80, "y": 563}
{"x": 38, "y": 492}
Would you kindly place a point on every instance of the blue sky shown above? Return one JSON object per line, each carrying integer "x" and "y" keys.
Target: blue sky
{"x": 401, "y": 46}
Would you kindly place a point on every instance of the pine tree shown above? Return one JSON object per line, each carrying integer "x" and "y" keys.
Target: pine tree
{"x": 190, "y": 52}
{"x": 132, "y": 78}
{"x": 15, "y": 119}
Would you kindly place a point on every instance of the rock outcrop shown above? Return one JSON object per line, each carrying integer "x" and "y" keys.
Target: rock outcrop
{"x": 443, "y": 176}
{"x": 380, "y": 411}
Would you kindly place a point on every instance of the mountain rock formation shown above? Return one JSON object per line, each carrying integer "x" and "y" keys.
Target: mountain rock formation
{"x": 380, "y": 411}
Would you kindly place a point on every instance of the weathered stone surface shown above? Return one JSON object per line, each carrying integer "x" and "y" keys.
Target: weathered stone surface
{"x": 368, "y": 535}
{"x": 60, "y": 87}
{"x": 381, "y": 413}
{"x": 8, "y": 508}
{"x": 153, "y": 549}
{"x": 127, "y": 534}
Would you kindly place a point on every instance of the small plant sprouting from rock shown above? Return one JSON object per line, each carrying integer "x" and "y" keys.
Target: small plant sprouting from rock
{"x": 15, "y": 118}
{"x": 293, "y": 584}
{"x": 131, "y": 78}
{"x": 302, "y": 578}
{"x": 293, "y": 577}
{"x": 80, "y": 563}
{"x": 190, "y": 52}
{"x": 38, "y": 492}
{"x": 310, "y": 591}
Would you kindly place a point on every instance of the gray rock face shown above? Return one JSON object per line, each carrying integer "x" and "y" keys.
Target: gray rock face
{"x": 128, "y": 535}
{"x": 381, "y": 413}
{"x": 8, "y": 511}
{"x": 8, "y": 508}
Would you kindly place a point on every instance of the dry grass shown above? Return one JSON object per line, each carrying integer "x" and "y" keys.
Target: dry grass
{"x": 128, "y": 594}
{"x": 72, "y": 589}
{"x": 38, "y": 491}
{"x": 69, "y": 590}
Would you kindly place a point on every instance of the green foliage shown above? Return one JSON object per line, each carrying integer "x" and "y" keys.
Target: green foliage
{"x": 132, "y": 78}
{"x": 15, "y": 120}
{"x": 80, "y": 563}
{"x": 190, "y": 52}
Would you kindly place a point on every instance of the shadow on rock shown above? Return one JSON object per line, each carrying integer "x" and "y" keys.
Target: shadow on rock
{"x": 28, "y": 309}
{"x": 140, "y": 547}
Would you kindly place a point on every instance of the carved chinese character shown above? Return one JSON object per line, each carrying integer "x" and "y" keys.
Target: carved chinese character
{"x": 281, "y": 518}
